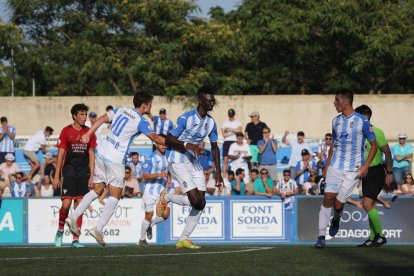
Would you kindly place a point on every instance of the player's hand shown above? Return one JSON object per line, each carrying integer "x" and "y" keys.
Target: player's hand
{"x": 219, "y": 181}
{"x": 362, "y": 171}
{"x": 56, "y": 182}
{"x": 388, "y": 179}
{"x": 90, "y": 182}
{"x": 164, "y": 174}
{"x": 85, "y": 138}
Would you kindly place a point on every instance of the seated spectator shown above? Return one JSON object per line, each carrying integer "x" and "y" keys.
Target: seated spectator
{"x": 268, "y": 148}
{"x": 48, "y": 166}
{"x": 228, "y": 179}
{"x": 310, "y": 187}
{"x": 263, "y": 185}
{"x": 403, "y": 156}
{"x": 297, "y": 145}
{"x": 407, "y": 187}
{"x": 304, "y": 168}
{"x": 206, "y": 159}
{"x": 323, "y": 151}
{"x": 239, "y": 154}
{"x": 19, "y": 188}
{"x": 250, "y": 185}
{"x": 211, "y": 187}
{"x": 286, "y": 186}
{"x": 7, "y": 170}
{"x": 238, "y": 187}
{"x": 131, "y": 186}
{"x": 45, "y": 187}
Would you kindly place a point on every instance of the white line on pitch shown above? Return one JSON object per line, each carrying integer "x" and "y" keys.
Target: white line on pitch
{"x": 140, "y": 255}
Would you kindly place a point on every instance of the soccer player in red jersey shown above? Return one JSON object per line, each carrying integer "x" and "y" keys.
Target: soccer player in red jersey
{"x": 76, "y": 161}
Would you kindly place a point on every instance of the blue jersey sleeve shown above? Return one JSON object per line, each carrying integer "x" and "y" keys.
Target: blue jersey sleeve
{"x": 180, "y": 127}
{"x": 213, "y": 136}
{"x": 368, "y": 131}
{"x": 260, "y": 143}
{"x": 170, "y": 126}
{"x": 147, "y": 166}
{"x": 144, "y": 127}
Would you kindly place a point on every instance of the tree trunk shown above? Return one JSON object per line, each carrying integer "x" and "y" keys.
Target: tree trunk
{"x": 116, "y": 88}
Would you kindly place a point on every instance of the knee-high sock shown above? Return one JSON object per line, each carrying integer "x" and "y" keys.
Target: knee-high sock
{"x": 337, "y": 214}
{"x": 192, "y": 221}
{"x": 374, "y": 218}
{"x": 107, "y": 212}
{"x": 177, "y": 199}
{"x": 324, "y": 215}
{"x": 144, "y": 228}
{"x": 79, "y": 224}
{"x": 84, "y": 204}
{"x": 156, "y": 220}
{"x": 63, "y": 214}
{"x": 371, "y": 230}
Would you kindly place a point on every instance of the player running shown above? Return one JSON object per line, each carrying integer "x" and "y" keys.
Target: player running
{"x": 372, "y": 184}
{"x": 75, "y": 161}
{"x": 155, "y": 173}
{"x": 127, "y": 123}
{"x": 345, "y": 164}
{"x": 184, "y": 142}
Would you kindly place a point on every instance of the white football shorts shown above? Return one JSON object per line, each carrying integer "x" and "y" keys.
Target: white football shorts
{"x": 150, "y": 201}
{"x": 188, "y": 175}
{"x": 108, "y": 172}
{"x": 341, "y": 183}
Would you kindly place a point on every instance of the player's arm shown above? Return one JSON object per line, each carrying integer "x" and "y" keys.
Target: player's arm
{"x": 150, "y": 176}
{"x": 101, "y": 120}
{"x": 58, "y": 170}
{"x": 354, "y": 202}
{"x": 91, "y": 153}
{"x": 216, "y": 160}
{"x": 364, "y": 168}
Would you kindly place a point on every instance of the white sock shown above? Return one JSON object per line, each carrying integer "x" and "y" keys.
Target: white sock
{"x": 324, "y": 215}
{"x": 192, "y": 221}
{"x": 177, "y": 199}
{"x": 107, "y": 212}
{"x": 84, "y": 204}
{"x": 144, "y": 228}
{"x": 156, "y": 220}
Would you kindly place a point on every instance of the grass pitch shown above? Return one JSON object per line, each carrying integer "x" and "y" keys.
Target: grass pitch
{"x": 210, "y": 260}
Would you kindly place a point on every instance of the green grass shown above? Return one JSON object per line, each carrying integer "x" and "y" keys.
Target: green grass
{"x": 210, "y": 260}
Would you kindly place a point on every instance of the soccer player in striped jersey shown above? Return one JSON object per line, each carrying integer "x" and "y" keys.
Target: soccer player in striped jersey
{"x": 346, "y": 162}
{"x": 372, "y": 184}
{"x": 184, "y": 144}
{"x": 155, "y": 174}
{"x": 75, "y": 163}
{"x": 127, "y": 123}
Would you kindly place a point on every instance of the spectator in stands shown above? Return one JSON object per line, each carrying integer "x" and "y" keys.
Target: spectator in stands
{"x": 136, "y": 166}
{"x": 162, "y": 125}
{"x": 250, "y": 185}
{"x": 45, "y": 187}
{"x": 34, "y": 144}
{"x": 7, "y": 135}
{"x": 228, "y": 179}
{"x": 19, "y": 188}
{"x": 407, "y": 187}
{"x": 263, "y": 185}
{"x": 323, "y": 151}
{"x": 92, "y": 119}
{"x": 7, "y": 170}
{"x": 47, "y": 166}
{"x": 403, "y": 156}
{"x": 239, "y": 154}
{"x": 229, "y": 128}
{"x": 286, "y": 186}
{"x": 131, "y": 186}
{"x": 109, "y": 108}
{"x": 296, "y": 145}
{"x": 310, "y": 187}
{"x": 268, "y": 148}
{"x": 206, "y": 158}
{"x": 238, "y": 187}
{"x": 211, "y": 188}
{"x": 304, "y": 169}
{"x": 254, "y": 131}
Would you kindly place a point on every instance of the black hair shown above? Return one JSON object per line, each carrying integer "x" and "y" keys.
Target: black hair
{"x": 133, "y": 153}
{"x": 239, "y": 171}
{"x": 301, "y": 133}
{"x": 20, "y": 173}
{"x": 128, "y": 168}
{"x": 3, "y": 119}
{"x": 204, "y": 90}
{"x": 347, "y": 94}
{"x": 286, "y": 171}
{"x": 142, "y": 97}
{"x": 364, "y": 110}
{"x": 255, "y": 171}
{"x": 109, "y": 107}
{"x": 328, "y": 134}
{"x": 231, "y": 173}
{"x": 78, "y": 107}
{"x": 49, "y": 129}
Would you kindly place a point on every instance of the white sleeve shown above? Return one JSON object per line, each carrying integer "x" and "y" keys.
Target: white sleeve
{"x": 231, "y": 149}
{"x": 110, "y": 114}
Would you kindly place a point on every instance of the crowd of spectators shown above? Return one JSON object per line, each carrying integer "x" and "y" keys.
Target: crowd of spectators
{"x": 249, "y": 162}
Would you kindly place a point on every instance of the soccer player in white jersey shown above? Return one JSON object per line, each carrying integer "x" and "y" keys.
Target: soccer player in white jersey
{"x": 345, "y": 164}
{"x": 184, "y": 144}
{"x": 127, "y": 123}
{"x": 155, "y": 174}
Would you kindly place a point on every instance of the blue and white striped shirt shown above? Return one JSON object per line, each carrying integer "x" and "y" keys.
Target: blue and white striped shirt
{"x": 193, "y": 129}
{"x": 7, "y": 144}
{"x": 162, "y": 126}
{"x": 155, "y": 163}
{"x": 349, "y": 135}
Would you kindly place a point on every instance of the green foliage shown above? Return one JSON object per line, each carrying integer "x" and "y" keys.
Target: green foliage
{"x": 112, "y": 47}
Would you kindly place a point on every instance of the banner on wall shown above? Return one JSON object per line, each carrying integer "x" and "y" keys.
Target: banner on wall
{"x": 11, "y": 221}
{"x": 123, "y": 227}
{"x": 396, "y": 222}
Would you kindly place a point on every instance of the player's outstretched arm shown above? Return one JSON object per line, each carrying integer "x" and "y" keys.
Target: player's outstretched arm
{"x": 101, "y": 120}
{"x": 156, "y": 138}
